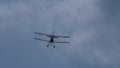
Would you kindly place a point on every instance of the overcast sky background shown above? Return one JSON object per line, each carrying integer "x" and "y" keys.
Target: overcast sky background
{"x": 92, "y": 24}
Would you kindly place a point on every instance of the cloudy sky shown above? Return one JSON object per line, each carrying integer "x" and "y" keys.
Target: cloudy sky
{"x": 92, "y": 24}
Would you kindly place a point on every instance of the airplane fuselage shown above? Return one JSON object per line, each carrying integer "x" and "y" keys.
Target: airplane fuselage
{"x": 51, "y": 40}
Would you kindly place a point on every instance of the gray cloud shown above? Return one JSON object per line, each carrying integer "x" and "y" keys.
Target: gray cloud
{"x": 110, "y": 8}
{"x": 95, "y": 37}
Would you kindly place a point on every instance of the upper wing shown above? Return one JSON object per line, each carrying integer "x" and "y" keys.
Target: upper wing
{"x": 52, "y": 35}
{"x": 41, "y": 39}
{"x": 41, "y": 33}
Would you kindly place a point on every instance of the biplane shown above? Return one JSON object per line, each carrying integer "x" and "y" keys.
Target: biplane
{"x": 52, "y": 37}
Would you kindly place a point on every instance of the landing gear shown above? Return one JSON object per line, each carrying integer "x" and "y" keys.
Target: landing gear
{"x": 47, "y": 45}
{"x": 53, "y": 46}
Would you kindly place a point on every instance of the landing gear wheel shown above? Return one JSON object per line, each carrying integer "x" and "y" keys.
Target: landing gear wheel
{"x": 47, "y": 45}
{"x": 53, "y": 46}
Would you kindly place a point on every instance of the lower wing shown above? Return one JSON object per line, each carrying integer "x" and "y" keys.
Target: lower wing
{"x": 41, "y": 39}
{"x": 48, "y": 41}
{"x": 60, "y": 42}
